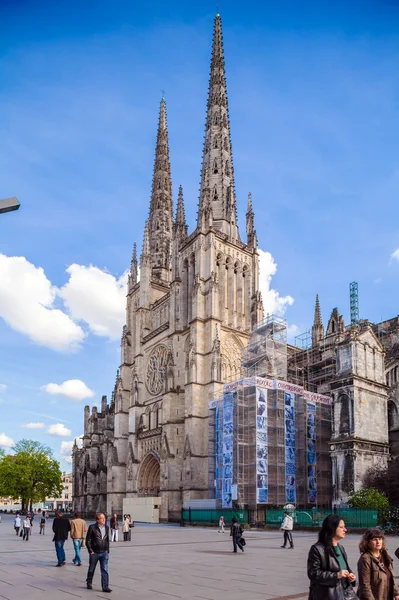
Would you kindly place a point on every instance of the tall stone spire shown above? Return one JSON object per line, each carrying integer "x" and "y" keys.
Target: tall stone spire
{"x": 217, "y": 175}
{"x": 161, "y": 208}
{"x": 317, "y": 329}
{"x": 252, "y": 241}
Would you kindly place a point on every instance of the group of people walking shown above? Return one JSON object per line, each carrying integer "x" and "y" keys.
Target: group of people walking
{"x": 23, "y": 525}
{"x": 331, "y": 577}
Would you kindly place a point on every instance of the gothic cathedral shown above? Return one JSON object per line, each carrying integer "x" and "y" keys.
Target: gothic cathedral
{"x": 190, "y": 307}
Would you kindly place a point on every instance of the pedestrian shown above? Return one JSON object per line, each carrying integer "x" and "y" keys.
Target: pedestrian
{"x": 42, "y": 525}
{"x": 61, "y": 528}
{"x": 27, "y": 528}
{"x": 114, "y": 528}
{"x": 78, "y": 534}
{"x": 126, "y": 528}
{"x": 287, "y": 526}
{"x": 375, "y": 569}
{"x": 17, "y": 524}
{"x": 236, "y": 531}
{"x": 97, "y": 542}
{"x": 328, "y": 568}
{"x": 221, "y": 524}
{"x": 131, "y": 525}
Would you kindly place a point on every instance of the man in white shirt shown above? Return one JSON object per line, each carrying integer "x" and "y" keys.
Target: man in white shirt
{"x": 287, "y": 526}
{"x": 17, "y": 524}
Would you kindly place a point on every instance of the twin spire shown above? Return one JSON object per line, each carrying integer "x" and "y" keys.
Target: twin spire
{"x": 217, "y": 201}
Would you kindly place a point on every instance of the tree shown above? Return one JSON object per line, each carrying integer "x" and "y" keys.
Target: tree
{"x": 31, "y": 473}
{"x": 369, "y": 498}
{"x": 385, "y": 480}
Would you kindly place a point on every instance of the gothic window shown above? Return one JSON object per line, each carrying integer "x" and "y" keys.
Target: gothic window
{"x": 215, "y": 118}
{"x": 224, "y": 120}
{"x": 215, "y": 143}
{"x": 392, "y": 413}
{"x": 344, "y": 421}
{"x": 225, "y": 144}
{"x": 215, "y": 167}
{"x": 157, "y": 224}
{"x": 215, "y": 193}
{"x": 332, "y": 326}
{"x": 159, "y": 184}
{"x": 227, "y": 169}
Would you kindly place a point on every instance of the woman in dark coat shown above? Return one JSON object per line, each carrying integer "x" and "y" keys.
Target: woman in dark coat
{"x": 328, "y": 568}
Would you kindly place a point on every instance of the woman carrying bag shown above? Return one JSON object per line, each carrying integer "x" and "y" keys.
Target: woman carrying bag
{"x": 376, "y": 576}
{"x": 328, "y": 570}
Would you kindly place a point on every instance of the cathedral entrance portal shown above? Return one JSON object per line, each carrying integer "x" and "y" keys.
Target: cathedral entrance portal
{"x": 149, "y": 480}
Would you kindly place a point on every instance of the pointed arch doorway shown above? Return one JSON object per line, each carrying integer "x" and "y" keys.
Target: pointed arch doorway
{"x": 149, "y": 479}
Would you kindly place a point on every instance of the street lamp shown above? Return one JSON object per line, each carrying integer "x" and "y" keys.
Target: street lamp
{"x": 8, "y": 205}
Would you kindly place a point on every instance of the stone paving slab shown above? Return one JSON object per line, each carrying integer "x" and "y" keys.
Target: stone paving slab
{"x": 163, "y": 563}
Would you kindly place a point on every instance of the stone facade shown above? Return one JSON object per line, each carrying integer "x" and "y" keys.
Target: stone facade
{"x": 187, "y": 320}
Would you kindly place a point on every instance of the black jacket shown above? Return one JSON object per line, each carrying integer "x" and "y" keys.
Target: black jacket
{"x": 236, "y": 529}
{"x": 94, "y": 541}
{"x": 61, "y": 528}
{"x": 323, "y": 569}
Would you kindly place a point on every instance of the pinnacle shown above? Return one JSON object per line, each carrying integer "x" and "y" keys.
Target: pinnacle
{"x": 317, "y": 313}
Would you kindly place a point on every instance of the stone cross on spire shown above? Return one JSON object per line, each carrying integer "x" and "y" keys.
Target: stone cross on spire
{"x": 160, "y": 219}
{"x": 317, "y": 329}
{"x": 217, "y": 175}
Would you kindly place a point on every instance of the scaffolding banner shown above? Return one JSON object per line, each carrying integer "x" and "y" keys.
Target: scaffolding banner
{"x": 227, "y": 451}
{"x": 262, "y": 483}
{"x": 311, "y": 451}
{"x": 290, "y": 464}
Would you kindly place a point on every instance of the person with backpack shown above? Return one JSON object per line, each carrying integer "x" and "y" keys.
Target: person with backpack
{"x": 236, "y": 532}
{"x": 42, "y": 525}
{"x": 287, "y": 526}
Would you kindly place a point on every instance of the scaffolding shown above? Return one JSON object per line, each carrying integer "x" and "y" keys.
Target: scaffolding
{"x": 266, "y": 353}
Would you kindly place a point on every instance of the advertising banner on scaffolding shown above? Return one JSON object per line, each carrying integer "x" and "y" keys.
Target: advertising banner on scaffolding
{"x": 228, "y": 457}
{"x": 262, "y": 484}
{"x": 290, "y": 463}
{"x": 311, "y": 451}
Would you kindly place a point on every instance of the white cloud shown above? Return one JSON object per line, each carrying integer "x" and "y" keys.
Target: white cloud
{"x": 59, "y": 429}
{"x": 27, "y": 305}
{"x": 273, "y": 303}
{"x": 74, "y": 389}
{"x": 395, "y": 255}
{"x": 66, "y": 451}
{"x": 5, "y": 441}
{"x": 3, "y": 388}
{"x": 97, "y": 298}
{"x": 33, "y": 425}
{"x": 66, "y": 448}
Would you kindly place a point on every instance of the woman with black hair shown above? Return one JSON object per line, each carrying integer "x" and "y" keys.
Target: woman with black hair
{"x": 328, "y": 568}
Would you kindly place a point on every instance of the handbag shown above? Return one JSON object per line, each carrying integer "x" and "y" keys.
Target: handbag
{"x": 350, "y": 594}
{"x": 242, "y": 541}
{"x": 21, "y": 533}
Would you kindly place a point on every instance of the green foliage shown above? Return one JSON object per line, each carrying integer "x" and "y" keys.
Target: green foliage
{"x": 385, "y": 480}
{"x": 31, "y": 473}
{"x": 369, "y": 498}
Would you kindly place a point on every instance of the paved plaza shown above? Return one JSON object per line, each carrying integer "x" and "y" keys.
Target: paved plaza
{"x": 164, "y": 562}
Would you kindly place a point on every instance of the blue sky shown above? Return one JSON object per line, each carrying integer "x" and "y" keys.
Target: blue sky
{"x": 314, "y": 99}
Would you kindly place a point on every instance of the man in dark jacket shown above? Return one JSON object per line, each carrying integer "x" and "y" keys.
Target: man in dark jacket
{"x": 61, "y": 528}
{"x": 97, "y": 542}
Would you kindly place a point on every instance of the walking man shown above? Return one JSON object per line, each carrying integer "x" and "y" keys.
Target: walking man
{"x": 61, "y": 528}
{"x": 236, "y": 535}
{"x": 114, "y": 529}
{"x": 97, "y": 542}
{"x": 287, "y": 526}
{"x": 27, "y": 528}
{"x": 17, "y": 524}
{"x": 78, "y": 534}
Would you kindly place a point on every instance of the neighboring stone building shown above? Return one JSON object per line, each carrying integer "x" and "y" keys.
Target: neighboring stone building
{"x": 65, "y": 501}
{"x": 187, "y": 320}
{"x": 348, "y": 363}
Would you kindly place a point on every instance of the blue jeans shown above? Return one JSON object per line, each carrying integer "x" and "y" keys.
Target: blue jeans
{"x": 77, "y": 544}
{"x": 236, "y": 542}
{"x": 93, "y": 560}
{"x": 59, "y": 548}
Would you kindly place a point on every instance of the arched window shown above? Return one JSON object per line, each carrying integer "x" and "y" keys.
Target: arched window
{"x": 227, "y": 168}
{"x": 333, "y": 326}
{"x": 225, "y": 144}
{"x": 215, "y": 143}
{"x": 215, "y": 193}
{"x": 215, "y": 167}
